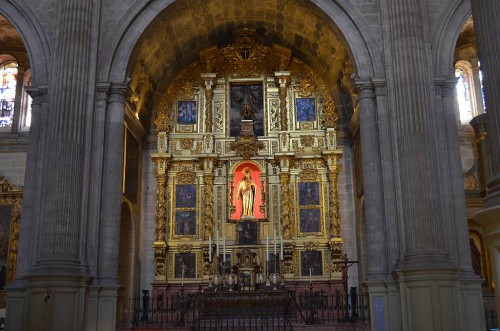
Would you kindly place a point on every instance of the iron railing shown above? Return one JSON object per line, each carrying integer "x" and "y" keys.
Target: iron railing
{"x": 263, "y": 310}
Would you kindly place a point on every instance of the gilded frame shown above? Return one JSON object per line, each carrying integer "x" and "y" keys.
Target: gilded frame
{"x": 11, "y": 195}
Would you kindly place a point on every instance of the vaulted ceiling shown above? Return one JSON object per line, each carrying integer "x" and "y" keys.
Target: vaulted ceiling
{"x": 11, "y": 42}
{"x": 174, "y": 39}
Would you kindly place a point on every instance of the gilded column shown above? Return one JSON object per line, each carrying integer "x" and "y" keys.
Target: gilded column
{"x": 208, "y": 183}
{"x": 373, "y": 188}
{"x": 332, "y": 159}
{"x": 111, "y": 198}
{"x": 286, "y": 198}
{"x": 487, "y": 29}
{"x": 414, "y": 135}
{"x": 210, "y": 81}
{"x": 161, "y": 161}
{"x": 61, "y": 221}
{"x": 283, "y": 80}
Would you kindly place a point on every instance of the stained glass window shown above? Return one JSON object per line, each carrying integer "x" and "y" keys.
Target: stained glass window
{"x": 8, "y": 75}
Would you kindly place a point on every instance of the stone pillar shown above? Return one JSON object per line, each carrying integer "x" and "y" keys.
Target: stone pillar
{"x": 16, "y": 120}
{"x": 58, "y": 283}
{"x": 477, "y": 92}
{"x": 487, "y": 29}
{"x": 414, "y": 135}
{"x": 479, "y": 125}
{"x": 458, "y": 217}
{"x": 109, "y": 234}
{"x": 373, "y": 187}
{"x": 28, "y": 238}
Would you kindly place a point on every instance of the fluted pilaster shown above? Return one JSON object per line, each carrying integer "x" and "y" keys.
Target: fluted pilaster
{"x": 63, "y": 170}
{"x": 109, "y": 233}
{"x": 457, "y": 195}
{"x": 28, "y": 241}
{"x": 487, "y": 29}
{"x": 372, "y": 182}
{"x": 414, "y": 135}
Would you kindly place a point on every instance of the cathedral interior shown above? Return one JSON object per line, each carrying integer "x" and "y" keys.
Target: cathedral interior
{"x": 238, "y": 152}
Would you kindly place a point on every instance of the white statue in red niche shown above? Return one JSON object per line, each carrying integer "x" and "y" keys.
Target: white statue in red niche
{"x": 247, "y": 191}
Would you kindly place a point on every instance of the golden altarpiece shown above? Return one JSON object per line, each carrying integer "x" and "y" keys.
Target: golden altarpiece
{"x": 246, "y": 169}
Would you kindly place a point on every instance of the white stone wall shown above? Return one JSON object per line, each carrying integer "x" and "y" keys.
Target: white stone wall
{"x": 12, "y": 167}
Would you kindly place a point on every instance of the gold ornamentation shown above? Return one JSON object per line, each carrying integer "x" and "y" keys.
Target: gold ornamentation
{"x": 283, "y": 55}
{"x": 186, "y": 177}
{"x": 311, "y": 246}
{"x": 286, "y": 206}
{"x": 219, "y": 116}
{"x": 210, "y": 81}
{"x": 283, "y": 80}
{"x": 274, "y": 107}
{"x": 307, "y": 141}
{"x": 160, "y": 252}
{"x": 305, "y": 85}
{"x": 471, "y": 183}
{"x": 246, "y": 146}
{"x": 185, "y": 248}
{"x": 208, "y": 219}
{"x": 12, "y": 195}
{"x": 187, "y": 143}
{"x": 208, "y": 58}
{"x": 309, "y": 175}
{"x": 161, "y": 202}
{"x": 288, "y": 267}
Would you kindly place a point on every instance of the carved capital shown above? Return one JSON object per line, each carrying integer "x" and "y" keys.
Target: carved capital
{"x": 185, "y": 248}
{"x": 118, "y": 92}
{"x": 311, "y": 246}
{"x": 246, "y": 146}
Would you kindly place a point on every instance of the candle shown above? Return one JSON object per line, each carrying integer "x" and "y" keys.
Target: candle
{"x": 281, "y": 247}
{"x": 224, "y": 249}
{"x": 182, "y": 274}
{"x": 310, "y": 275}
{"x": 210, "y": 249}
{"x": 217, "y": 241}
{"x": 267, "y": 248}
{"x": 274, "y": 236}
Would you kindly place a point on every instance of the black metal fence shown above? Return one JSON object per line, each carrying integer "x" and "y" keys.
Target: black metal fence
{"x": 272, "y": 310}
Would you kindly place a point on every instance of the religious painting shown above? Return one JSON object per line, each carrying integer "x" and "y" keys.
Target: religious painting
{"x": 247, "y": 232}
{"x": 185, "y": 196}
{"x": 185, "y": 222}
{"x": 5, "y": 218}
{"x": 311, "y": 263}
{"x": 246, "y": 103}
{"x": 186, "y": 112}
{"x": 308, "y": 193}
{"x": 305, "y": 109}
{"x": 310, "y": 220}
{"x": 273, "y": 263}
{"x": 185, "y": 265}
{"x": 131, "y": 164}
{"x": 224, "y": 266}
{"x": 247, "y": 192}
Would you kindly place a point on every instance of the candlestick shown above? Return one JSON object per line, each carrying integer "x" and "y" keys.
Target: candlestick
{"x": 217, "y": 241}
{"x": 281, "y": 248}
{"x": 210, "y": 249}
{"x": 274, "y": 236}
{"x": 224, "y": 249}
{"x": 182, "y": 274}
{"x": 267, "y": 248}
{"x": 310, "y": 275}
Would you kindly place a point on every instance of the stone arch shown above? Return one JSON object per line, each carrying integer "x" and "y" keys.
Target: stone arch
{"x": 33, "y": 36}
{"x": 363, "y": 50}
{"x": 445, "y": 38}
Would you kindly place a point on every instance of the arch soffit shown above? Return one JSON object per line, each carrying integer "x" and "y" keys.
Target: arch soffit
{"x": 363, "y": 51}
{"x": 446, "y": 36}
{"x": 33, "y": 36}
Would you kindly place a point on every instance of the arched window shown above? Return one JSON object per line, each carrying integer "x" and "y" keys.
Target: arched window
{"x": 8, "y": 76}
{"x": 26, "y": 102}
{"x": 464, "y": 96}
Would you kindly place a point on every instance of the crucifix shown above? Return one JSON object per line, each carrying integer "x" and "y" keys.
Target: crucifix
{"x": 345, "y": 265}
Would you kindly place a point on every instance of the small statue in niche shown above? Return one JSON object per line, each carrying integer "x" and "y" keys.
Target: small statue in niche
{"x": 249, "y": 104}
{"x": 246, "y": 193}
